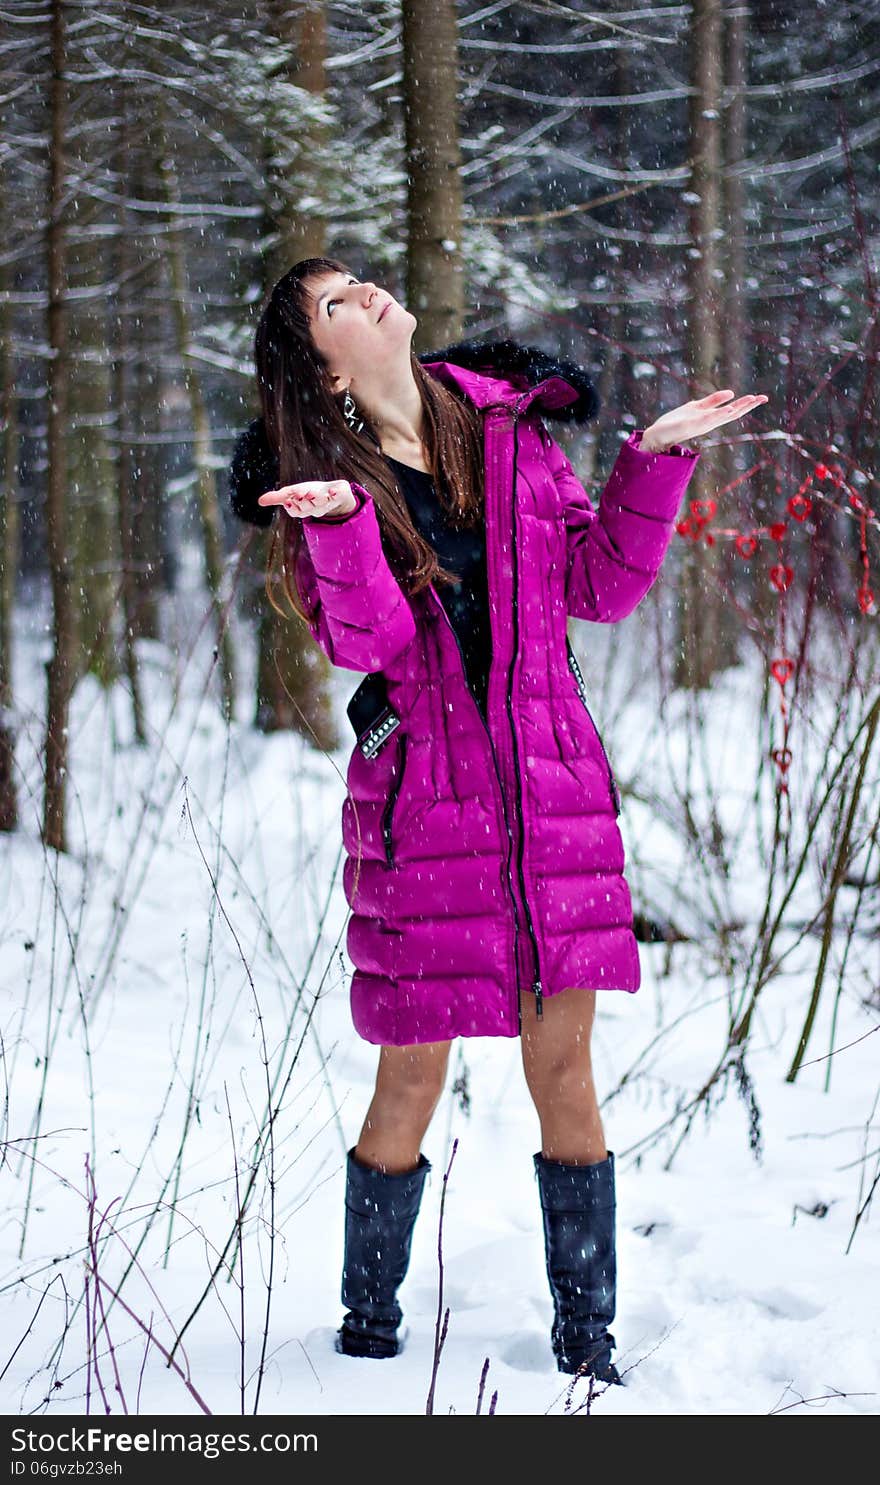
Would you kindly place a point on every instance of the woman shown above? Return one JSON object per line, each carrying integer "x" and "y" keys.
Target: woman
{"x": 436, "y": 539}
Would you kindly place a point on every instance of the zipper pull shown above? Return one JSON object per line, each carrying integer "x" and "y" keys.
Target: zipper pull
{"x": 539, "y": 999}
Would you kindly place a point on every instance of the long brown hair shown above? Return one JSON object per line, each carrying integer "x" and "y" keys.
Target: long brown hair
{"x": 311, "y": 439}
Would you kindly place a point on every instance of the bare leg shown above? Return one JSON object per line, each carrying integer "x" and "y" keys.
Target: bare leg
{"x": 559, "y": 1074}
{"x": 409, "y": 1082}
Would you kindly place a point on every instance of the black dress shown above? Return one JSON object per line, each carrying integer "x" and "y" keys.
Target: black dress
{"x": 462, "y": 552}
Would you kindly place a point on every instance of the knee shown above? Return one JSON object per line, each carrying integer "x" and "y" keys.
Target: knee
{"x": 415, "y": 1095}
{"x": 563, "y": 1081}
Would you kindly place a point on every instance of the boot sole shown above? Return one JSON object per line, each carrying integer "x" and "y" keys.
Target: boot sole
{"x": 347, "y": 1344}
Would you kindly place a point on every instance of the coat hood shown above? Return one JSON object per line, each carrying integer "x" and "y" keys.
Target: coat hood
{"x": 560, "y": 390}
{"x": 488, "y": 372}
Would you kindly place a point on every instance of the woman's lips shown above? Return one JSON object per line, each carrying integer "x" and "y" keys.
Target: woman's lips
{"x": 384, "y": 311}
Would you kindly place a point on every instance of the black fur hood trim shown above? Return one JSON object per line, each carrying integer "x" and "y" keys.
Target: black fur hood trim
{"x": 254, "y": 467}
{"x": 253, "y": 471}
{"x": 525, "y": 366}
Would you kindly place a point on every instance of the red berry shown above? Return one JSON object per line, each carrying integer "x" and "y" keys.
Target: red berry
{"x": 781, "y": 576}
{"x": 800, "y": 506}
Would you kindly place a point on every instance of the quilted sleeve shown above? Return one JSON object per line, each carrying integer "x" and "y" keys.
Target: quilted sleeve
{"x": 357, "y": 612}
{"x": 615, "y": 553}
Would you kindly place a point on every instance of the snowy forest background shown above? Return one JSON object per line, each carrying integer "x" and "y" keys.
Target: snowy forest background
{"x": 678, "y": 197}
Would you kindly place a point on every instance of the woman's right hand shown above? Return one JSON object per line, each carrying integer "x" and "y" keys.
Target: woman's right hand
{"x": 313, "y": 498}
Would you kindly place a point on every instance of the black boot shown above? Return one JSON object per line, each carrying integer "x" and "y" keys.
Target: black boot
{"x": 579, "y": 1209}
{"x": 380, "y": 1214}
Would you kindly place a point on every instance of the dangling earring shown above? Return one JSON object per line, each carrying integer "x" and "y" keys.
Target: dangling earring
{"x": 349, "y": 412}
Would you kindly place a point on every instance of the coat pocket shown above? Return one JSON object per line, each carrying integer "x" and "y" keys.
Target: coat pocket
{"x": 377, "y": 727}
{"x": 582, "y": 692}
{"x": 371, "y": 715}
{"x": 391, "y": 803}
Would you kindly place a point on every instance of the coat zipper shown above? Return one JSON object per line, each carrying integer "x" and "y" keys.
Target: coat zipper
{"x": 451, "y": 627}
{"x": 388, "y": 812}
{"x": 537, "y": 987}
{"x": 576, "y": 672}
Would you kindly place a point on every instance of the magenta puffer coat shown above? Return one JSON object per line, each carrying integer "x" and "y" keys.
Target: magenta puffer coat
{"x": 484, "y": 859}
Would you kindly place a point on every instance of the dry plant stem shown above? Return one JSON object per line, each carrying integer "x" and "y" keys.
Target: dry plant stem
{"x": 240, "y": 1252}
{"x": 863, "y": 1207}
{"x": 129, "y": 856}
{"x": 88, "y": 1309}
{"x": 92, "y": 1363}
{"x": 764, "y": 725}
{"x": 767, "y": 934}
{"x": 804, "y": 1402}
{"x": 99, "y": 1298}
{"x": 137, "y": 1401}
{"x": 149, "y": 1331}
{"x": 192, "y": 1103}
{"x": 688, "y": 1110}
{"x": 270, "y": 1141}
{"x": 738, "y": 1035}
{"x": 73, "y": 936}
{"x": 160, "y": 1202}
{"x": 198, "y": 1045}
{"x": 28, "y": 1328}
{"x": 440, "y": 1334}
{"x": 840, "y": 865}
{"x": 707, "y": 846}
{"x": 805, "y": 928}
{"x": 764, "y": 939}
{"x": 194, "y": 1394}
{"x": 249, "y": 1190}
{"x": 72, "y": 933}
{"x": 273, "y": 1105}
{"x": 634, "y": 1072}
{"x": 121, "y": 916}
{"x": 100, "y": 1280}
{"x": 117, "y": 1232}
{"x": 865, "y": 1202}
{"x": 54, "y": 1010}
{"x": 873, "y": 842}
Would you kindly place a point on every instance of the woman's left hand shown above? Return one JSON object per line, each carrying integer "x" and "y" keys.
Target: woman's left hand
{"x": 693, "y": 419}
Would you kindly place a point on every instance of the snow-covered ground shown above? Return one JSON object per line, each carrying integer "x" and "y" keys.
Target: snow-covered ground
{"x": 189, "y": 952}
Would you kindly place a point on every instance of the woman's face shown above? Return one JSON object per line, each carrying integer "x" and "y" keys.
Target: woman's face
{"x": 360, "y": 329}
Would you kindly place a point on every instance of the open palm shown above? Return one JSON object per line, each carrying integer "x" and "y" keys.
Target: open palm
{"x": 693, "y": 419}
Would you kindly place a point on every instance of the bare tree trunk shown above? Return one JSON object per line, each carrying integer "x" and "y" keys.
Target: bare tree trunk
{"x": 152, "y": 565}
{"x": 91, "y": 530}
{"x": 293, "y": 674}
{"x": 701, "y": 651}
{"x": 206, "y": 484}
{"x": 302, "y": 227}
{"x": 9, "y": 533}
{"x": 121, "y": 336}
{"x": 435, "y": 271}
{"x": 737, "y": 369}
{"x": 617, "y": 388}
{"x": 734, "y": 196}
{"x": 60, "y": 677}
